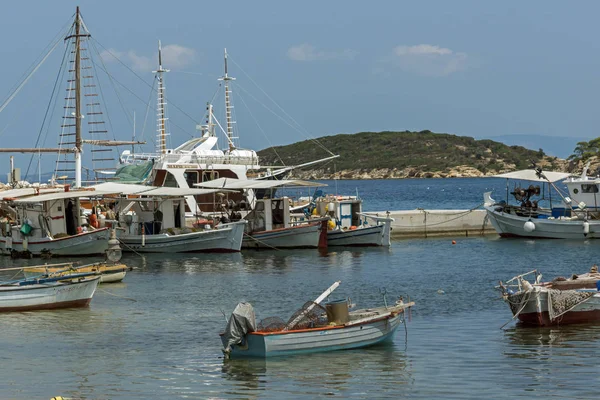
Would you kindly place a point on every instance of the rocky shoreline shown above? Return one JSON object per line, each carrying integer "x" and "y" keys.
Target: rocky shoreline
{"x": 461, "y": 171}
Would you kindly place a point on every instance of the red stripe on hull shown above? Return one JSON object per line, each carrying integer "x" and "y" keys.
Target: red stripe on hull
{"x": 50, "y": 306}
{"x": 577, "y": 317}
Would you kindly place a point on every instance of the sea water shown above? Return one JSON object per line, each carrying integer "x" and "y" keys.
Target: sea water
{"x": 155, "y": 335}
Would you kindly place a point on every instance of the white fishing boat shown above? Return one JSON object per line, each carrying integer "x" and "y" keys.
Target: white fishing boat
{"x": 75, "y": 290}
{"x": 311, "y": 329}
{"x": 271, "y": 222}
{"x": 349, "y": 226}
{"x": 530, "y": 219}
{"x": 562, "y": 301}
{"x": 152, "y": 220}
{"x": 50, "y": 224}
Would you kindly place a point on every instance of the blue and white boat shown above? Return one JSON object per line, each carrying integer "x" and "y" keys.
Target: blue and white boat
{"x": 312, "y": 329}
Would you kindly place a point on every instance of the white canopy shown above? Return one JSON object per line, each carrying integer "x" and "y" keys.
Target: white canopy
{"x": 61, "y": 195}
{"x": 122, "y": 188}
{"x": 531, "y": 175}
{"x": 129, "y": 189}
{"x": 14, "y": 193}
{"x": 170, "y": 191}
{"x": 232, "y": 183}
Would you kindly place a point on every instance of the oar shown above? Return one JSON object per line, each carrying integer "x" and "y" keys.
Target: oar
{"x": 317, "y": 301}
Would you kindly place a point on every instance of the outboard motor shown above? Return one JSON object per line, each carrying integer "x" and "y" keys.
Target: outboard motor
{"x": 241, "y": 322}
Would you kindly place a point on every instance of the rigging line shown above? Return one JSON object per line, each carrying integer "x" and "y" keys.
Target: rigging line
{"x": 50, "y": 101}
{"x": 139, "y": 98}
{"x": 282, "y": 119}
{"x": 278, "y": 106}
{"x": 146, "y": 116}
{"x": 57, "y": 38}
{"x": 143, "y": 80}
{"x": 18, "y": 89}
{"x": 103, "y": 98}
{"x": 261, "y": 129}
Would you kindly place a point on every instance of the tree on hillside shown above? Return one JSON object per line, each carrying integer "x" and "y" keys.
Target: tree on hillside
{"x": 585, "y": 150}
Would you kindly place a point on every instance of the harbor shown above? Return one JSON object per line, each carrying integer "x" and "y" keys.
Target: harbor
{"x": 194, "y": 265}
{"x": 157, "y": 331}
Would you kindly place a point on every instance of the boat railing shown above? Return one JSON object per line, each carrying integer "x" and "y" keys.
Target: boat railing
{"x": 191, "y": 159}
{"x": 516, "y": 282}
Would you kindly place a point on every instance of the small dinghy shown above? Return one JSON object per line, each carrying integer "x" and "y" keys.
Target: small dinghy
{"x": 313, "y": 328}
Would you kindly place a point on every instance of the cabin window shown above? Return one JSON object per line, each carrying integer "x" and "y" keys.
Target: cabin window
{"x": 589, "y": 188}
{"x": 210, "y": 176}
{"x": 170, "y": 181}
{"x": 191, "y": 177}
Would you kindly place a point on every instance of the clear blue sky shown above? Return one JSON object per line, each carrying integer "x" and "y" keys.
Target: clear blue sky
{"x": 472, "y": 68}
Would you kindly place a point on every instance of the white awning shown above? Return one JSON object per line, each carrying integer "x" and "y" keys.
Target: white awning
{"x": 15, "y": 193}
{"x": 170, "y": 191}
{"x": 143, "y": 190}
{"x": 232, "y": 183}
{"x": 531, "y": 175}
{"x": 61, "y": 195}
{"x": 123, "y": 188}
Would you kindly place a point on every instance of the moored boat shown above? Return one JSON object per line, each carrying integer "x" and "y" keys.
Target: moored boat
{"x": 530, "y": 219}
{"x": 311, "y": 329}
{"x": 109, "y": 273}
{"x": 74, "y": 290}
{"x": 350, "y": 226}
{"x": 559, "y": 302}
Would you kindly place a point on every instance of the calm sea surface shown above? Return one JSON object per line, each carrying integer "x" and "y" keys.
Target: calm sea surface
{"x": 156, "y": 334}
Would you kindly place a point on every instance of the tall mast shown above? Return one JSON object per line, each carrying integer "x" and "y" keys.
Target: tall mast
{"x": 161, "y": 106}
{"x": 228, "y": 107}
{"x": 78, "y": 114}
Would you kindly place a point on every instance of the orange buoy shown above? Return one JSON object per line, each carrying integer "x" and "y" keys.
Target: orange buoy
{"x": 454, "y": 242}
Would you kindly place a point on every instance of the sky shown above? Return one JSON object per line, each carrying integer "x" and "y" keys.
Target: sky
{"x": 313, "y": 68}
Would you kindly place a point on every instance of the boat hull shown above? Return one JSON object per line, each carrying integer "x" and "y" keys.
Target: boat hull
{"x": 510, "y": 225}
{"x": 48, "y": 296}
{"x": 83, "y": 244}
{"x": 536, "y": 312}
{"x": 366, "y": 236}
{"x": 301, "y": 236}
{"x": 226, "y": 238}
{"x": 317, "y": 340}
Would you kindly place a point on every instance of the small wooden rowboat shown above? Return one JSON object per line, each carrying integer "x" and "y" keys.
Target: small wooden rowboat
{"x": 109, "y": 272}
{"x": 75, "y": 290}
{"x": 334, "y": 329}
{"x": 558, "y": 302}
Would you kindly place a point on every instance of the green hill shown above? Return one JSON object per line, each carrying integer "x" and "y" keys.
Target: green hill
{"x": 423, "y": 151}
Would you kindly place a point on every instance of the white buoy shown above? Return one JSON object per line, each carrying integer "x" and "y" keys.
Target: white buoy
{"x": 586, "y": 228}
{"x": 529, "y": 227}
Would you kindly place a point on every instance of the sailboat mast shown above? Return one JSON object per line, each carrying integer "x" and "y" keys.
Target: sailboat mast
{"x": 78, "y": 115}
{"x": 161, "y": 106}
{"x": 228, "y": 107}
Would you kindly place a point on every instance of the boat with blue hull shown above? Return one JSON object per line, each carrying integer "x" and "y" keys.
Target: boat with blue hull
{"x": 311, "y": 329}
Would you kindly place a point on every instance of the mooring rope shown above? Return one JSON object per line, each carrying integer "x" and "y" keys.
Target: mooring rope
{"x": 261, "y": 242}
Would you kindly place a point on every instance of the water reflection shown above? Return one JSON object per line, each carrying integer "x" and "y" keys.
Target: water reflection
{"x": 378, "y": 368}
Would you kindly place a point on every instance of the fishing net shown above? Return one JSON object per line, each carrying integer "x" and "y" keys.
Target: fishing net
{"x": 310, "y": 315}
{"x": 271, "y": 324}
{"x": 561, "y": 301}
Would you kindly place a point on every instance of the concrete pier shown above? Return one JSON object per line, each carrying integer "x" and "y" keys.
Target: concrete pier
{"x": 427, "y": 223}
